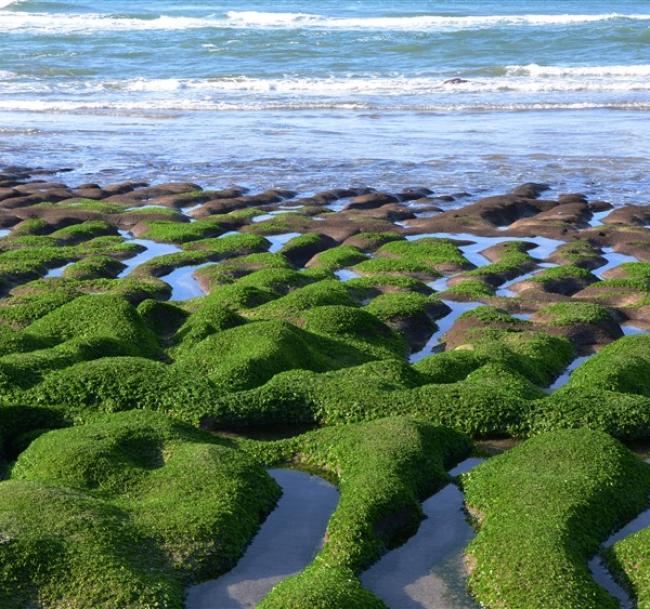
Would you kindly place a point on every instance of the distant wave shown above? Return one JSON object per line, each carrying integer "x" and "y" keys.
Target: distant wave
{"x": 623, "y": 71}
{"x": 60, "y": 23}
{"x": 514, "y": 79}
{"x": 183, "y": 105}
{"x": 7, "y": 3}
{"x": 422, "y": 22}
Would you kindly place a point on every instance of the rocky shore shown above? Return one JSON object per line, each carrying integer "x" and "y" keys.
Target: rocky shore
{"x": 151, "y": 333}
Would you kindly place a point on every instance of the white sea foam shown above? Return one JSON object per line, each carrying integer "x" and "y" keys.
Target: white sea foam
{"x": 184, "y": 105}
{"x": 59, "y": 23}
{"x": 420, "y": 22}
{"x": 560, "y": 80}
{"x": 538, "y": 71}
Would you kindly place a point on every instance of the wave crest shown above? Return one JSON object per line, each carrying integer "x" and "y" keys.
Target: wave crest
{"x": 419, "y": 22}
{"x": 59, "y": 23}
{"x": 513, "y": 79}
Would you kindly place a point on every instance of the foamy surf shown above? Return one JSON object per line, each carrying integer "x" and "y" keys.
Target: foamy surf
{"x": 293, "y": 84}
{"x": 60, "y": 23}
{"x": 522, "y": 80}
{"x": 421, "y": 22}
{"x": 617, "y": 71}
{"x": 187, "y": 105}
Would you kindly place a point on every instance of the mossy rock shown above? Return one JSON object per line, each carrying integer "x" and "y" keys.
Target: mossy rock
{"x": 544, "y": 507}
{"x": 97, "y": 316}
{"x": 249, "y": 355}
{"x": 181, "y": 232}
{"x": 125, "y": 511}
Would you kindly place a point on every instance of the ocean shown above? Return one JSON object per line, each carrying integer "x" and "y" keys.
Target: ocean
{"x": 456, "y": 95}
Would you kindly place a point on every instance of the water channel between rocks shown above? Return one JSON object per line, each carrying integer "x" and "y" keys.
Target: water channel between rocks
{"x": 563, "y": 379}
{"x": 152, "y": 249}
{"x": 183, "y": 283}
{"x": 428, "y": 572}
{"x": 287, "y": 542}
{"x": 444, "y": 324}
{"x": 599, "y": 570}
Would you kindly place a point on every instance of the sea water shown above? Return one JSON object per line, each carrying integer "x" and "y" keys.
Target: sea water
{"x": 454, "y": 95}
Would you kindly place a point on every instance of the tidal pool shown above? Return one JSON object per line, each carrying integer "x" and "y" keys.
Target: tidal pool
{"x": 58, "y": 271}
{"x": 428, "y": 571}
{"x": 614, "y": 259}
{"x": 563, "y": 379}
{"x": 183, "y": 283}
{"x": 277, "y": 241}
{"x": 287, "y": 542}
{"x": 444, "y": 325}
{"x": 601, "y": 573}
{"x": 152, "y": 249}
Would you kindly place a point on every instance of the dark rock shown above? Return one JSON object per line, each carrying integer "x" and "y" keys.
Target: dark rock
{"x": 530, "y": 190}
{"x": 89, "y": 193}
{"x": 371, "y": 200}
{"x": 122, "y": 188}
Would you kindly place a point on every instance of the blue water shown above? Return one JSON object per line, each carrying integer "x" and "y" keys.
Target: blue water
{"x": 311, "y": 95}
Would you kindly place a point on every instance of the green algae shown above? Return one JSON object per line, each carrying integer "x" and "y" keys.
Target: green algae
{"x": 98, "y": 514}
{"x": 544, "y": 507}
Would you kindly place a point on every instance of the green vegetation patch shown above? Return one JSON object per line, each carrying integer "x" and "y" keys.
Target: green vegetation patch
{"x": 125, "y": 511}
{"x": 30, "y": 226}
{"x": 182, "y": 232}
{"x": 559, "y": 273}
{"x": 355, "y": 327}
{"x": 94, "y": 267}
{"x": 470, "y": 289}
{"x": 76, "y": 233}
{"x": 291, "y": 222}
{"x": 622, "y": 366}
{"x": 80, "y": 204}
{"x": 513, "y": 261}
{"x": 230, "y": 246}
{"x": 544, "y": 507}
{"x": 290, "y": 306}
{"x": 569, "y": 313}
{"x": 399, "y": 305}
{"x": 363, "y": 287}
{"x": 248, "y": 355}
{"x": 578, "y": 253}
{"x": 338, "y": 257}
{"x": 490, "y": 403}
{"x": 97, "y": 316}
{"x": 232, "y": 269}
{"x": 427, "y": 256}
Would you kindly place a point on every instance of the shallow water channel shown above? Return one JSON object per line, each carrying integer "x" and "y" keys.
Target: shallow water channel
{"x": 286, "y": 543}
{"x": 152, "y": 249}
{"x": 444, "y": 324}
{"x": 183, "y": 283}
{"x": 599, "y": 570}
{"x": 563, "y": 378}
{"x": 427, "y": 572}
